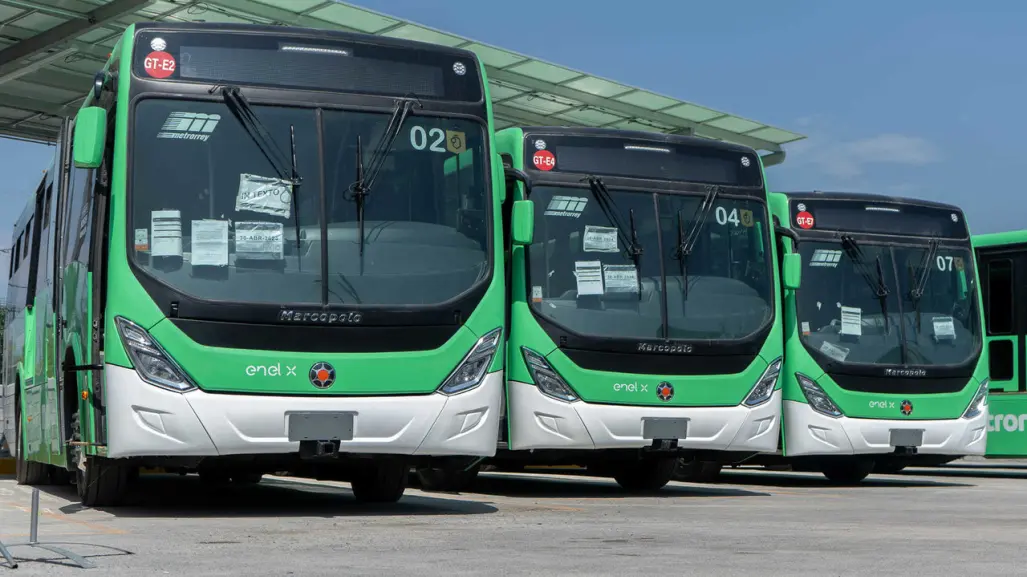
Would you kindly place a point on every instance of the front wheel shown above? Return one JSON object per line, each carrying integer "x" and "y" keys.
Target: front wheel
{"x": 103, "y": 482}
{"x": 380, "y": 481}
{"x": 647, "y": 474}
{"x": 848, "y": 471}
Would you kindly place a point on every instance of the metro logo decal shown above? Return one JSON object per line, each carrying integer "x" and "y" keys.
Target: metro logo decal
{"x": 189, "y": 126}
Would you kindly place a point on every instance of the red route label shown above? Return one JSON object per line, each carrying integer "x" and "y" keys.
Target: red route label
{"x": 159, "y": 64}
{"x": 544, "y": 160}
{"x": 804, "y": 219}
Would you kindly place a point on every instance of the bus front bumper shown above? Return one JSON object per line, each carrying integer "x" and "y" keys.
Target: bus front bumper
{"x": 144, "y": 420}
{"x": 541, "y": 422}
{"x": 808, "y": 432}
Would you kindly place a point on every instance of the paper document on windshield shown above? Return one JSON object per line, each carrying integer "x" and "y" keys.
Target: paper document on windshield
{"x": 852, "y": 321}
{"x": 944, "y": 328}
{"x": 620, "y": 278}
{"x": 166, "y": 233}
{"x": 210, "y": 243}
{"x": 589, "y": 274}
{"x": 834, "y": 351}
{"x": 259, "y": 240}
{"x": 599, "y": 239}
{"x": 264, "y": 194}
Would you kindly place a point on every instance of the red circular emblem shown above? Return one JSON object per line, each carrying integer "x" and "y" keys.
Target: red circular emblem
{"x": 159, "y": 64}
{"x": 544, "y": 160}
{"x": 804, "y": 219}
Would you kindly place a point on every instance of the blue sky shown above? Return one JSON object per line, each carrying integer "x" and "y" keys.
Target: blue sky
{"x": 916, "y": 98}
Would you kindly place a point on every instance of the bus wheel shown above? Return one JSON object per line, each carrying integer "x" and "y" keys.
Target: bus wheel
{"x": 380, "y": 481}
{"x": 104, "y": 482}
{"x": 449, "y": 477}
{"x": 647, "y": 474}
{"x": 25, "y": 472}
{"x": 888, "y": 467}
{"x": 847, "y": 471}
{"x": 247, "y": 478}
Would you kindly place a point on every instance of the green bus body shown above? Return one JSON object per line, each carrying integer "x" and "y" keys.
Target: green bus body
{"x": 338, "y": 330}
{"x": 1002, "y": 260}
{"x": 865, "y": 389}
{"x": 621, "y": 380}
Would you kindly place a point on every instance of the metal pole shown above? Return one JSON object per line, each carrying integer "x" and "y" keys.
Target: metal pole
{"x": 34, "y": 523}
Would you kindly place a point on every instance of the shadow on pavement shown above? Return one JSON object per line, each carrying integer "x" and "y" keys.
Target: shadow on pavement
{"x": 963, "y": 471}
{"x": 178, "y": 496}
{"x": 816, "y": 480}
{"x": 578, "y": 486}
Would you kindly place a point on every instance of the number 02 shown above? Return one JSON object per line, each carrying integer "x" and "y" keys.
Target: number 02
{"x": 419, "y": 139}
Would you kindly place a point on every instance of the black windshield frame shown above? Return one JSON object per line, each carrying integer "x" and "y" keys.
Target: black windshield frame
{"x": 178, "y": 305}
{"x": 898, "y": 304}
{"x": 680, "y": 349}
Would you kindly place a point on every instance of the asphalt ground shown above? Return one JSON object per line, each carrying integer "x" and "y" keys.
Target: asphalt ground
{"x": 964, "y": 519}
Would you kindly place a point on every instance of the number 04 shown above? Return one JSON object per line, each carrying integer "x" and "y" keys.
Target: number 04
{"x": 419, "y": 139}
{"x": 724, "y": 217}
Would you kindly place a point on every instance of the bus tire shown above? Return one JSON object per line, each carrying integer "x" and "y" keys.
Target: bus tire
{"x": 247, "y": 478}
{"x": 104, "y": 482}
{"x": 647, "y": 474}
{"x": 447, "y": 478}
{"x": 847, "y": 471}
{"x": 380, "y": 481}
{"x": 25, "y": 472}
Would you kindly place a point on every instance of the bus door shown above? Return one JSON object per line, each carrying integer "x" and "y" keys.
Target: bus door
{"x": 1003, "y": 272}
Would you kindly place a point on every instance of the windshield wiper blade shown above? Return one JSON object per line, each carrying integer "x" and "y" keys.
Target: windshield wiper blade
{"x": 241, "y": 109}
{"x": 686, "y": 241}
{"x": 925, "y": 270}
{"x": 608, "y": 206}
{"x": 880, "y": 288}
{"x": 361, "y": 187}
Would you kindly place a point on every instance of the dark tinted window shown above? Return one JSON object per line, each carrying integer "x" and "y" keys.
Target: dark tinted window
{"x": 999, "y": 297}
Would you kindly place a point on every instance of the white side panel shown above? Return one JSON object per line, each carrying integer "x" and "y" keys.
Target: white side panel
{"x": 144, "y": 420}
{"x": 808, "y": 432}
{"x": 540, "y": 422}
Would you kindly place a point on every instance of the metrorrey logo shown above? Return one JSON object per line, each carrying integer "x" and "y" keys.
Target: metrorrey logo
{"x": 825, "y": 257}
{"x": 1008, "y": 423}
{"x": 189, "y": 126}
{"x": 566, "y": 206}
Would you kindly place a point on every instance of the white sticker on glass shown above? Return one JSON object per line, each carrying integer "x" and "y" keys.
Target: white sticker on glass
{"x": 209, "y": 243}
{"x": 852, "y": 321}
{"x": 189, "y": 126}
{"x": 599, "y": 239}
{"x": 944, "y": 328}
{"x": 826, "y": 258}
{"x": 536, "y": 293}
{"x": 260, "y": 240}
{"x": 571, "y": 206}
{"x": 142, "y": 239}
{"x": 805, "y": 327}
{"x": 834, "y": 351}
{"x": 264, "y": 194}
{"x": 589, "y": 275}
{"x": 620, "y": 278}
{"x": 166, "y": 227}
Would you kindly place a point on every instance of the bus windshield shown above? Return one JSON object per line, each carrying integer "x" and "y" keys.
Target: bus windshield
{"x": 858, "y": 302}
{"x": 211, "y": 217}
{"x": 598, "y": 279}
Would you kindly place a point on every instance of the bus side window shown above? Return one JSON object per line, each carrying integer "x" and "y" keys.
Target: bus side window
{"x": 998, "y": 318}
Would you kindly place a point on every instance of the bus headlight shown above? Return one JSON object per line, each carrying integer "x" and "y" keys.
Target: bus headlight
{"x": 151, "y": 362}
{"x": 816, "y": 397}
{"x": 470, "y": 372}
{"x": 764, "y": 388}
{"x": 980, "y": 401}
{"x": 548, "y": 381}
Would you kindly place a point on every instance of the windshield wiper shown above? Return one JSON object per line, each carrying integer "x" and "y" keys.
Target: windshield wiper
{"x": 366, "y": 176}
{"x": 608, "y": 206}
{"x": 921, "y": 282}
{"x": 287, "y": 172}
{"x": 686, "y": 242}
{"x": 880, "y": 288}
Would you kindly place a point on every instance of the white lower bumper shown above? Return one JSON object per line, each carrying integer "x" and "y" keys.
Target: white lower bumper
{"x": 541, "y": 422}
{"x": 144, "y": 420}
{"x": 808, "y": 432}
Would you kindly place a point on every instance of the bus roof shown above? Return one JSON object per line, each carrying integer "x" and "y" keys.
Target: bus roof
{"x": 866, "y": 197}
{"x": 1009, "y": 237}
{"x": 634, "y": 135}
{"x": 49, "y": 55}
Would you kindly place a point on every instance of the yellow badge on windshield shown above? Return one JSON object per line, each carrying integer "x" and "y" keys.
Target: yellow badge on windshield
{"x": 958, "y": 263}
{"x": 746, "y": 218}
{"x": 455, "y": 141}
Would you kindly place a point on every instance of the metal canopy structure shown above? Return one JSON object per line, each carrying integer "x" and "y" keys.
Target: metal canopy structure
{"x": 50, "y": 50}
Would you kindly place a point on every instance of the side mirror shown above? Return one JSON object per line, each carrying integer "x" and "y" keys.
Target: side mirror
{"x": 90, "y": 135}
{"x": 791, "y": 270}
{"x": 523, "y": 230}
{"x": 518, "y": 176}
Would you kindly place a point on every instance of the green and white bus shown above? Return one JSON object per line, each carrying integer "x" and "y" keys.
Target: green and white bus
{"x": 262, "y": 249}
{"x": 645, "y": 311}
{"x": 1002, "y": 261}
{"x": 884, "y": 361}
